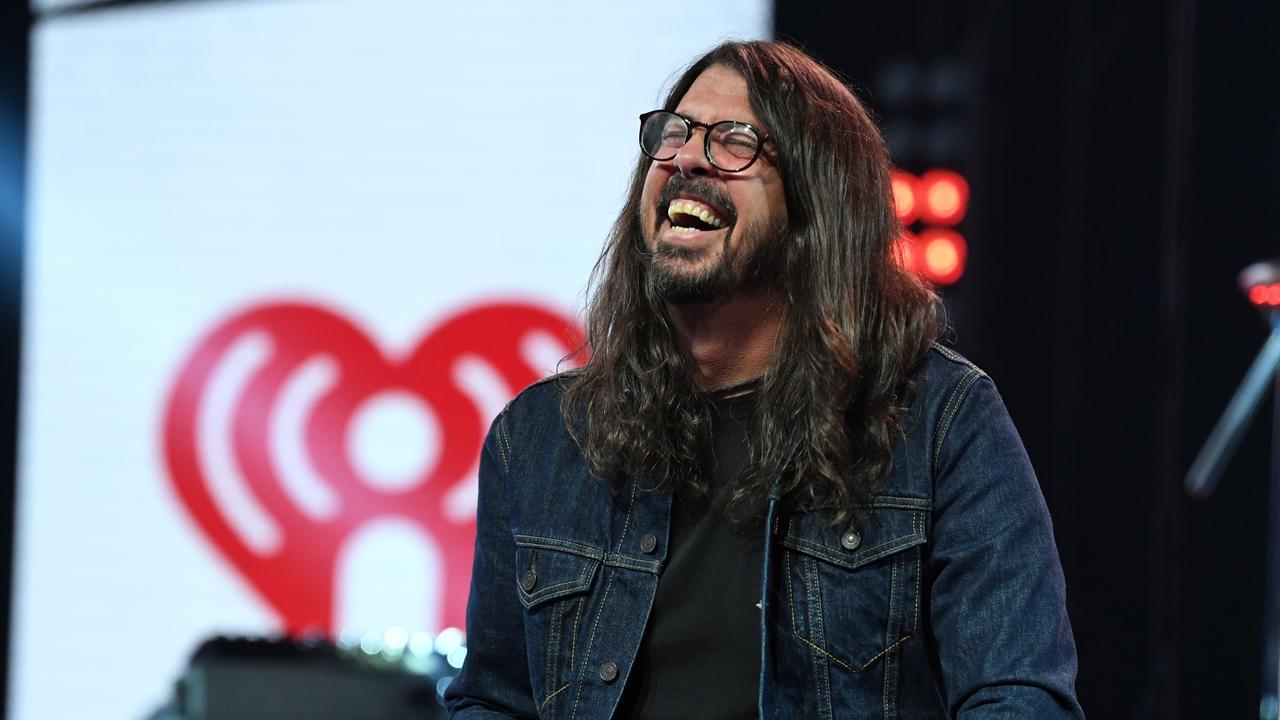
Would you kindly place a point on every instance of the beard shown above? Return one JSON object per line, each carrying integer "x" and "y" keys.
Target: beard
{"x": 748, "y": 254}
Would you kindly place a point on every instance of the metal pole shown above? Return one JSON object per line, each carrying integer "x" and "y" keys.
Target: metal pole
{"x": 1222, "y": 442}
{"x": 1208, "y": 467}
{"x": 1269, "y": 707}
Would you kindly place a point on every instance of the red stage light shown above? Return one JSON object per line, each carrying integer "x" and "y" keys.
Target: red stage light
{"x": 944, "y": 253}
{"x": 945, "y": 197}
{"x": 906, "y": 188}
{"x": 1260, "y": 282}
{"x": 907, "y": 251}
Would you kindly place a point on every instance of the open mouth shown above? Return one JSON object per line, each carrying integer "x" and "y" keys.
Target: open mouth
{"x": 690, "y": 216}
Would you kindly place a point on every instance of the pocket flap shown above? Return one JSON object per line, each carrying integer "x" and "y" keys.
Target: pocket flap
{"x": 548, "y": 569}
{"x": 889, "y": 525}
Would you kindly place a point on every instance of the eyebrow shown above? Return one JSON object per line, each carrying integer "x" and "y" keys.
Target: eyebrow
{"x": 691, "y": 116}
{"x": 697, "y": 119}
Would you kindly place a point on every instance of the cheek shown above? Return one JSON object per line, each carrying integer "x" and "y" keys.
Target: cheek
{"x": 776, "y": 201}
{"x": 653, "y": 184}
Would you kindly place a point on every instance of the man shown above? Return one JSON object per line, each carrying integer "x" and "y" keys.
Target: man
{"x": 768, "y": 493}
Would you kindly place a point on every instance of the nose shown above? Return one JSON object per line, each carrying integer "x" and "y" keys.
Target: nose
{"x": 691, "y": 158}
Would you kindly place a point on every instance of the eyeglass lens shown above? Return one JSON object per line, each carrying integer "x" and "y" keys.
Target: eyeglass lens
{"x": 731, "y": 145}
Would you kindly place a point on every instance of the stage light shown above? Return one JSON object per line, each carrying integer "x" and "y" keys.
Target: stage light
{"x": 420, "y": 643}
{"x": 1265, "y": 296}
{"x": 905, "y": 191}
{"x": 1261, "y": 283}
{"x": 907, "y": 251}
{"x": 443, "y": 684}
{"x": 943, "y": 197}
{"x": 371, "y": 643}
{"x": 448, "y": 640}
{"x": 395, "y": 639}
{"x": 942, "y": 255}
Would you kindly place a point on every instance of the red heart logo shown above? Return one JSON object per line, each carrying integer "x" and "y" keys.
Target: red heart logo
{"x": 259, "y": 428}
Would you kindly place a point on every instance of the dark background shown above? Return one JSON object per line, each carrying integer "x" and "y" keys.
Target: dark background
{"x": 1123, "y": 157}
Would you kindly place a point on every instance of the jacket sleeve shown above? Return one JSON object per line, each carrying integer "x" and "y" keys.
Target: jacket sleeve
{"x": 997, "y": 597}
{"x": 494, "y": 680}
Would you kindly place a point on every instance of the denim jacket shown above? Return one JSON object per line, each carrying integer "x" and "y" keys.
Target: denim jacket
{"x": 945, "y": 598}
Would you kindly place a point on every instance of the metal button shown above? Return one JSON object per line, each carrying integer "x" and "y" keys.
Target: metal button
{"x": 850, "y": 540}
{"x": 608, "y": 672}
{"x": 529, "y": 579}
{"x": 648, "y": 543}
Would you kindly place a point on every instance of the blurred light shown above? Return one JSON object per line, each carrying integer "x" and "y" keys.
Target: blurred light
{"x": 448, "y": 640}
{"x": 420, "y": 643}
{"x": 417, "y": 664}
{"x": 443, "y": 684}
{"x": 944, "y": 196}
{"x": 1267, "y": 295}
{"x": 348, "y": 638}
{"x": 395, "y": 639}
{"x": 905, "y": 191}
{"x": 311, "y": 635}
{"x": 907, "y": 251}
{"x": 456, "y": 657}
{"x": 371, "y": 643}
{"x": 943, "y": 255}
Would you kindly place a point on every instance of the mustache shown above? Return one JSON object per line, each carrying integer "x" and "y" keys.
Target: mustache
{"x": 695, "y": 188}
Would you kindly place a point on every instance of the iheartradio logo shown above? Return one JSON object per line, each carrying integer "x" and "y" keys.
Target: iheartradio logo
{"x": 339, "y": 482}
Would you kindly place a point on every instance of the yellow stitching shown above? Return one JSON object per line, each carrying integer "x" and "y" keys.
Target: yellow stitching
{"x": 548, "y": 698}
{"x": 944, "y": 420}
{"x": 915, "y": 617}
{"x": 604, "y": 602}
{"x": 813, "y": 582}
{"x": 627, "y": 523}
{"x": 543, "y": 593}
{"x": 791, "y": 593}
{"x": 865, "y": 557}
{"x": 959, "y": 395}
{"x": 833, "y": 658}
{"x": 815, "y": 601}
{"x": 564, "y": 546}
{"x": 553, "y": 648}
{"x": 884, "y": 652}
{"x": 577, "y": 619}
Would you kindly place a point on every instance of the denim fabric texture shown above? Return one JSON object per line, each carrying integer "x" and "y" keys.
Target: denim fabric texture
{"x": 943, "y": 598}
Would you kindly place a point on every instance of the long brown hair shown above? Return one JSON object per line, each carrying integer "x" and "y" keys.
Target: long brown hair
{"x": 854, "y": 322}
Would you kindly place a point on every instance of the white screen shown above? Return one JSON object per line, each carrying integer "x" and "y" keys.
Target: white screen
{"x": 286, "y": 260}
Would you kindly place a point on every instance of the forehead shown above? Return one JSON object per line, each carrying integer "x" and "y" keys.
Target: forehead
{"x": 719, "y": 93}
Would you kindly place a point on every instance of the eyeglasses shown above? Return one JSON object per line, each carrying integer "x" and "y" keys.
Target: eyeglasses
{"x": 731, "y": 146}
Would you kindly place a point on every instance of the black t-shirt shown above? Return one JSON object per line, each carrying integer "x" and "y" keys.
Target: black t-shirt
{"x": 700, "y": 657}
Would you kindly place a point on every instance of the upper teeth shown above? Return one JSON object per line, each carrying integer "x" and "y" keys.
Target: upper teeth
{"x": 696, "y": 209}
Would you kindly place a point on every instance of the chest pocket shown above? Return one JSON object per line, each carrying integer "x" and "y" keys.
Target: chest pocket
{"x": 548, "y": 570}
{"x": 853, "y": 590}
{"x": 553, "y": 579}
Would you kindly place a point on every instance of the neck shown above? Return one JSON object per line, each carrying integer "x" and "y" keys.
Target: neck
{"x": 732, "y": 340}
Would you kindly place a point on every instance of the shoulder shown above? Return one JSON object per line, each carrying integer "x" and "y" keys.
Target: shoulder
{"x": 943, "y": 376}
{"x": 532, "y": 417}
{"x": 537, "y": 407}
{"x": 942, "y": 387}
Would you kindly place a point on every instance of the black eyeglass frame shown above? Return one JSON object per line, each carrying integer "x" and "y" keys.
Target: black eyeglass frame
{"x": 690, "y": 125}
